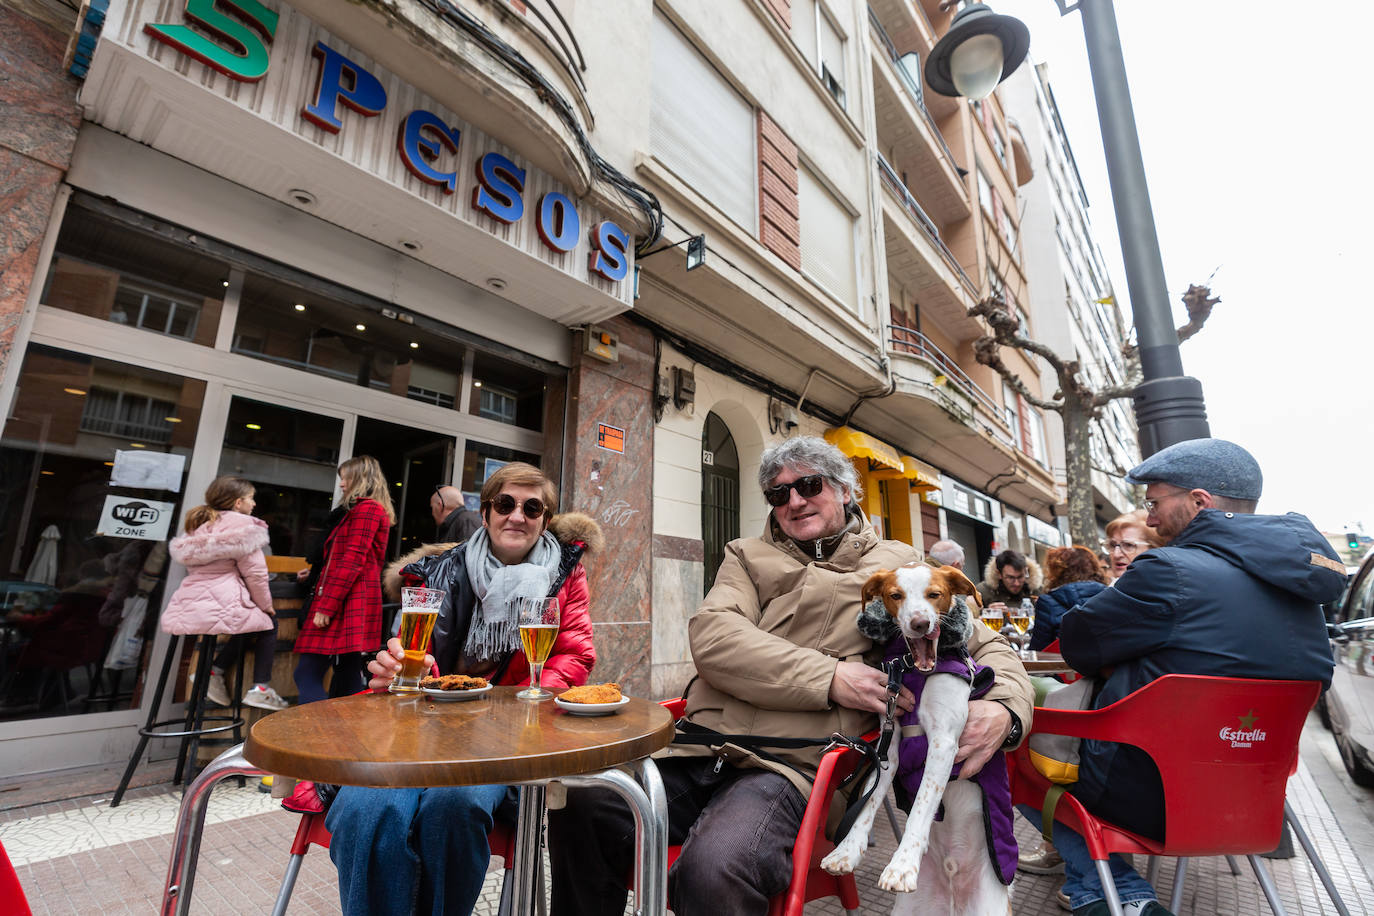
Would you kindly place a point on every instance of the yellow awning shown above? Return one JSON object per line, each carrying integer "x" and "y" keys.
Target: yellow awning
{"x": 861, "y": 445}
{"x": 923, "y": 476}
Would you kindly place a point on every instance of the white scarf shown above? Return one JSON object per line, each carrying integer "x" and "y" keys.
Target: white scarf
{"x": 494, "y": 629}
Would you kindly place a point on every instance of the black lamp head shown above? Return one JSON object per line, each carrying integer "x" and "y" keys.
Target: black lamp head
{"x": 973, "y": 20}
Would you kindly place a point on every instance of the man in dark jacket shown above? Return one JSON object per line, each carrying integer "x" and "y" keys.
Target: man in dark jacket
{"x": 455, "y": 523}
{"x": 1232, "y": 594}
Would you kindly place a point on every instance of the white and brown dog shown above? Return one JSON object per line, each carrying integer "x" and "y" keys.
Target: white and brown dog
{"x": 951, "y": 856}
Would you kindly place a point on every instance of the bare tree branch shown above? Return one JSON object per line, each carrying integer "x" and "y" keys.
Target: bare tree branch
{"x": 1198, "y": 300}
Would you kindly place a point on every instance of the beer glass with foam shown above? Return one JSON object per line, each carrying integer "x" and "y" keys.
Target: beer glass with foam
{"x": 538, "y": 631}
{"x": 419, "y": 611}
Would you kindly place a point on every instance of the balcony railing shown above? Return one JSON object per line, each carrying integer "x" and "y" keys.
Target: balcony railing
{"x": 912, "y": 84}
{"x": 927, "y": 225}
{"x": 908, "y": 340}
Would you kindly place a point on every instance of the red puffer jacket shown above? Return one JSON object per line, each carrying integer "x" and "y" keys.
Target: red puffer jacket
{"x": 443, "y": 566}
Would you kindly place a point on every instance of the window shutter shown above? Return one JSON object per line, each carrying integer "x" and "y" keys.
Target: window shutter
{"x": 804, "y": 30}
{"x": 1027, "y": 441}
{"x": 701, "y": 128}
{"x": 827, "y": 239}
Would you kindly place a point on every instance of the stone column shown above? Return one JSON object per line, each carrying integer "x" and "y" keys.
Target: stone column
{"x": 37, "y": 134}
{"x": 616, "y": 488}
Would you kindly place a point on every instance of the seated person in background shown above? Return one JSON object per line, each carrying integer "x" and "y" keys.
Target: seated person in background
{"x": 778, "y": 653}
{"x": 1008, "y": 579}
{"x": 1231, "y": 594}
{"x": 403, "y": 851}
{"x": 1072, "y": 576}
{"x": 1127, "y": 538}
{"x": 946, "y": 553}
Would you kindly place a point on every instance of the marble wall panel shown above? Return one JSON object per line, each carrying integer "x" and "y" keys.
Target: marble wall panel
{"x": 677, "y": 594}
{"x": 37, "y": 133}
{"x": 671, "y": 680}
{"x": 37, "y": 96}
{"x": 622, "y": 655}
{"x": 615, "y": 488}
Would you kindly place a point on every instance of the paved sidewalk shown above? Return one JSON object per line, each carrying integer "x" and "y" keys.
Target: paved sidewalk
{"x": 81, "y": 857}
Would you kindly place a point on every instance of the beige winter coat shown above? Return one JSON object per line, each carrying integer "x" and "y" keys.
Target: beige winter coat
{"x": 769, "y": 634}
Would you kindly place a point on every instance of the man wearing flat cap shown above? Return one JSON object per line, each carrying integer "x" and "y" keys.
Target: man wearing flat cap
{"x": 1232, "y": 594}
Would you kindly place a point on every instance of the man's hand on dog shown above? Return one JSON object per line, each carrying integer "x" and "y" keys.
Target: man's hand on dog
{"x": 987, "y": 728}
{"x": 859, "y": 686}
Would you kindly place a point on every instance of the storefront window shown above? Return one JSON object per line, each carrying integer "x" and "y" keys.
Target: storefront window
{"x": 481, "y": 460}
{"x": 506, "y": 392}
{"x": 113, "y": 271}
{"x": 92, "y": 477}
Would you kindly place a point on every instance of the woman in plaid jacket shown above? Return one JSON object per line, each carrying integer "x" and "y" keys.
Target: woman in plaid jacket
{"x": 345, "y": 616}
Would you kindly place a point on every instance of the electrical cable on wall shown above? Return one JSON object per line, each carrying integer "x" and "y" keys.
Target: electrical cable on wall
{"x": 641, "y": 197}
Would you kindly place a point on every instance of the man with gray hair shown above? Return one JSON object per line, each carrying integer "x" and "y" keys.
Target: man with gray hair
{"x": 1232, "y": 594}
{"x": 946, "y": 553}
{"x": 778, "y": 655}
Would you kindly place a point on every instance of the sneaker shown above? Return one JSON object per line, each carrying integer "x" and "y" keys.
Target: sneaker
{"x": 265, "y": 785}
{"x": 1042, "y": 860}
{"x": 261, "y": 697}
{"x": 1065, "y": 903}
{"x": 216, "y": 691}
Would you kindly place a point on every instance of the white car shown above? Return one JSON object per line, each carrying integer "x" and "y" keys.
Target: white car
{"x": 1348, "y": 707}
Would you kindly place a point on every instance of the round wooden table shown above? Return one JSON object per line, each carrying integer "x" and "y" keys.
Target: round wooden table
{"x": 397, "y": 740}
{"x": 410, "y": 740}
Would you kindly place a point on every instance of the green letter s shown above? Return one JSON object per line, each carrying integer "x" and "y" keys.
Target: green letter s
{"x": 247, "y": 60}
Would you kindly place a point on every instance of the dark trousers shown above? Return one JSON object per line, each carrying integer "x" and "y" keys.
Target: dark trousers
{"x": 264, "y": 653}
{"x": 348, "y": 675}
{"x": 736, "y": 828}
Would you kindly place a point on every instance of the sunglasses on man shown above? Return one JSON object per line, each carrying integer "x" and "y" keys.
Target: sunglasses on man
{"x": 806, "y": 487}
{"x": 505, "y": 504}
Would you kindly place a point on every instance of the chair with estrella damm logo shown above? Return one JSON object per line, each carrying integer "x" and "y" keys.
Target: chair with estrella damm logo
{"x": 1225, "y": 748}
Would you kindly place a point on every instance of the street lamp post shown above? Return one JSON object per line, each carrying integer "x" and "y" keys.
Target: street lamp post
{"x": 1168, "y": 404}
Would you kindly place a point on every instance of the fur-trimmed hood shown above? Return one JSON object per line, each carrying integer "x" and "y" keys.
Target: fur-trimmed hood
{"x": 1035, "y": 577}
{"x": 569, "y": 528}
{"x": 230, "y": 536}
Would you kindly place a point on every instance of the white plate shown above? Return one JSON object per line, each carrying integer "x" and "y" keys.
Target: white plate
{"x": 590, "y": 709}
{"x": 472, "y": 694}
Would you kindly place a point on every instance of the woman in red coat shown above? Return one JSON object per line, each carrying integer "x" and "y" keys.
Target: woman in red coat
{"x": 345, "y": 618}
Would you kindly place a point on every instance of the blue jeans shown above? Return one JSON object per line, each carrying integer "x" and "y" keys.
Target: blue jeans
{"x": 1081, "y": 883}
{"x": 403, "y": 851}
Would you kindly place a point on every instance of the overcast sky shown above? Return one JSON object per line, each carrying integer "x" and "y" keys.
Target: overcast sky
{"x": 1254, "y": 130}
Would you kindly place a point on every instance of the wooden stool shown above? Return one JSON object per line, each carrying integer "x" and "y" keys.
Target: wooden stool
{"x": 194, "y": 725}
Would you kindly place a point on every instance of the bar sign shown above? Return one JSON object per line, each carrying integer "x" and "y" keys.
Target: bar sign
{"x": 611, "y": 438}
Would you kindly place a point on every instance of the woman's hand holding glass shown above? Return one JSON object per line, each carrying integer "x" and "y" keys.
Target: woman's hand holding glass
{"x": 387, "y": 665}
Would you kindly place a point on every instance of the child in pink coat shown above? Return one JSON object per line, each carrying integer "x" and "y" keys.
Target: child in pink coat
{"x": 225, "y": 589}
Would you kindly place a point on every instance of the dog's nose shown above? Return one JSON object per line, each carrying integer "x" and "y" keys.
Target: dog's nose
{"x": 919, "y": 628}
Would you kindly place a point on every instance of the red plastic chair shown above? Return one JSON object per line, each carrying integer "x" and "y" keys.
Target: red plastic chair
{"x": 12, "y": 899}
{"x": 1223, "y": 793}
{"x": 809, "y": 881}
{"x": 312, "y": 831}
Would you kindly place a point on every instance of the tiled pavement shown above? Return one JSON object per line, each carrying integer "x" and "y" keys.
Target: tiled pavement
{"x": 81, "y": 857}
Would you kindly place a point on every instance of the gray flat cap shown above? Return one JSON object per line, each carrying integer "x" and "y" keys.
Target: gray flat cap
{"x": 1221, "y": 468}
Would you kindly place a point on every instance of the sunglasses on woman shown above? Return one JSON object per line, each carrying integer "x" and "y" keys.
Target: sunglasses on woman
{"x": 806, "y": 487}
{"x": 505, "y": 504}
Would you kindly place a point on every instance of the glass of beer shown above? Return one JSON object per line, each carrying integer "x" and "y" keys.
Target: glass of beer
{"x": 1022, "y": 617}
{"x": 419, "y": 611}
{"x": 538, "y": 630}
{"x": 992, "y": 617}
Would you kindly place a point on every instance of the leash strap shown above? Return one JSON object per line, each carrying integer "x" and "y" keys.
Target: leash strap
{"x": 895, "y": 669}
{"x": 1052, "y": 796}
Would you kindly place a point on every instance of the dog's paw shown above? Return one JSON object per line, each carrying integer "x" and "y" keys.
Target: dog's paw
{"x": 897, "y": 878}
{"x": 843, "y": 859}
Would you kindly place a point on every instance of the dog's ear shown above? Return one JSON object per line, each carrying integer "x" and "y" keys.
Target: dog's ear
{"x": 874, "y": 586}
{"x": 958, "y": 582}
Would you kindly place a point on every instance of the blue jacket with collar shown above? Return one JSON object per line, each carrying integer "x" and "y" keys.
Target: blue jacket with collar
{"x": 1051, "y": 607}
{"x": 1233, "y": 595}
